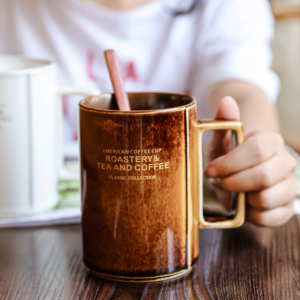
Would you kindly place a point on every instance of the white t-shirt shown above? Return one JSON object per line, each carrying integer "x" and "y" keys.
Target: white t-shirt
{"x": 220, "y": 40}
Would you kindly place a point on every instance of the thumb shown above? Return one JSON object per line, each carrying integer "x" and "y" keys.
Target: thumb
{"x": 228, "y": 109}
{"x": 222, "y": 139}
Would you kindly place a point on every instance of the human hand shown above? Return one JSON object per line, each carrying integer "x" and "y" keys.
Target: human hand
{"x": 260, "y": 166}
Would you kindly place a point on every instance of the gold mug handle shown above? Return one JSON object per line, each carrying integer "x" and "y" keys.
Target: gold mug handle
{"x": 239, "y": 217}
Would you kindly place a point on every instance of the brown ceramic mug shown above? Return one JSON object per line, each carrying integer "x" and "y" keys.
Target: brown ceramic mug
{"x": 141, "y": 185}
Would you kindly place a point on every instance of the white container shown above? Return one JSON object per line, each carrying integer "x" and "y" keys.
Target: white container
{"x": 30, "y": 135}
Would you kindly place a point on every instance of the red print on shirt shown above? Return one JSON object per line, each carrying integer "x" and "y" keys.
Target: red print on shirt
{"x": 130, "y": 71}
{"x": 75, "y": 136}
{"x": 187, "y": 92}
{"x": 65, "y": 103}
{"x": 90, "y": 64}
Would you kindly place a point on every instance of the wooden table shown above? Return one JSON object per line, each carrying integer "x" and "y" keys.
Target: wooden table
{"x": 244, "y": 263}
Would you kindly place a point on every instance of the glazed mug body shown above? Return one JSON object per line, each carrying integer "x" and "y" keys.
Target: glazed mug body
{"x": 140, "y": 186}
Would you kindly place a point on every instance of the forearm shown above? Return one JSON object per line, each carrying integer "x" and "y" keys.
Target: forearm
{"x": 256, "y": 110}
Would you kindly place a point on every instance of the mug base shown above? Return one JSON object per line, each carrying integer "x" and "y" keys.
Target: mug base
{"x": 142, "y": 279}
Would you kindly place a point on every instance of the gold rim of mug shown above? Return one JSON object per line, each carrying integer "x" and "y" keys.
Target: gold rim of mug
{"x": 82, "y": 105}
{"x": 142, "y": 279}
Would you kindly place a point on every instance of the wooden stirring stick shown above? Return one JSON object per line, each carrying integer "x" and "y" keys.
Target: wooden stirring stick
{"x": 116, "y": 77}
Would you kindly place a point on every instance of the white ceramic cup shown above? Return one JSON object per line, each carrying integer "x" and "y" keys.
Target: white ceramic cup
{"x": 31, "y": 161}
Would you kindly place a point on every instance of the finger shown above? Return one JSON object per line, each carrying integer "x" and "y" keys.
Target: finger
{"x": 259, "y": 177}
{"x": 278, "y": 195}
{"x": 270, "y": 218}
{"x": 255, "y": 150}
{"x": 227, "y": 110}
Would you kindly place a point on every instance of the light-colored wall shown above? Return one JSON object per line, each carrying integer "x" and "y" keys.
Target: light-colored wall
{"x": 286, "y": 50}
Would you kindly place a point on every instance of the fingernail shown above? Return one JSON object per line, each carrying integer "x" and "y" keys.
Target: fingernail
{"x": 215, "y": 181}
{"x": 211, "y": 171}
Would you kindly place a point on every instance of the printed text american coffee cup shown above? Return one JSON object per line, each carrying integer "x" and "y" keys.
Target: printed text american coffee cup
{"x": 141, "y": 185}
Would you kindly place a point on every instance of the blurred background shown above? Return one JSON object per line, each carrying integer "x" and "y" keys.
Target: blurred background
{"x": 286, "y": 63}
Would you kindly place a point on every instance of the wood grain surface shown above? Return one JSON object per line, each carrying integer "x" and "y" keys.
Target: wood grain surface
{"x": 244, "y": 263}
